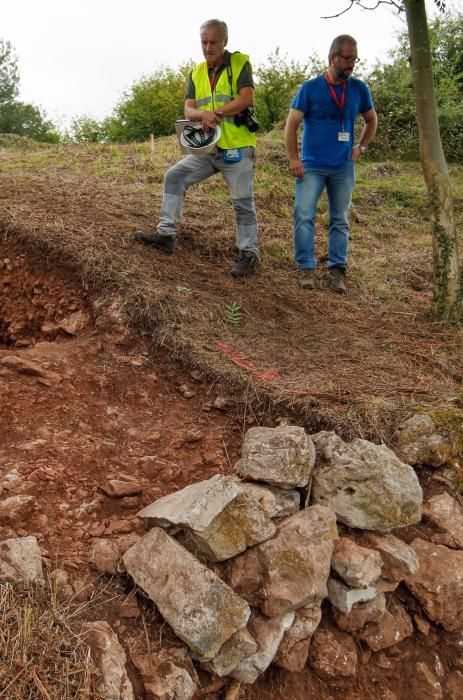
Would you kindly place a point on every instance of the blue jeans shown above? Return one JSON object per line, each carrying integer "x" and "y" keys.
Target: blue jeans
{"x": 339, "y": 186}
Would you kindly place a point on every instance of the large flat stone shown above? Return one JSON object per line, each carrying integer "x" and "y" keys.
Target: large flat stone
{"x": 194, "y": 507}
{"x": 216, "y": 518}
{"x": 201, "y": 609}
{"x": 365, "y": 484}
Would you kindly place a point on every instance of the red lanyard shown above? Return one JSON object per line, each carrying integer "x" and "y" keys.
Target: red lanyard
{"x": 339, "y": 102}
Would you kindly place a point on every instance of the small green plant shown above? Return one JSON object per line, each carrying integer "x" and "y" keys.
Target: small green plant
{"x": 233, "y": 313}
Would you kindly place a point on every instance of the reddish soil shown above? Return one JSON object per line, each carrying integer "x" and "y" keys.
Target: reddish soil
{"x": 109, "y": 406}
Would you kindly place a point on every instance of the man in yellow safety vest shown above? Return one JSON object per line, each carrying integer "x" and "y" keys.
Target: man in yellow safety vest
{"x": 219, "y": 93}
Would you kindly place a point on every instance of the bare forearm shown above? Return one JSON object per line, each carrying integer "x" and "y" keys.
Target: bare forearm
{"x": 195, "y": 115}
{"x": 369, "y": 131}
{"x": 291, "y": 143}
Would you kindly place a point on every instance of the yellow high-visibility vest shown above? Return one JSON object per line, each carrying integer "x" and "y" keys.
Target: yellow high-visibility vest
{"x": 232, "y": 136}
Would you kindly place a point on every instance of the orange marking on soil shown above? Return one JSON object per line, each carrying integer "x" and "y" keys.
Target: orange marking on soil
{"x": 241, "y": 361}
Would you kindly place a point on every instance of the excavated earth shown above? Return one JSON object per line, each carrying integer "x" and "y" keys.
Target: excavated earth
{"x": 96, "y": 403}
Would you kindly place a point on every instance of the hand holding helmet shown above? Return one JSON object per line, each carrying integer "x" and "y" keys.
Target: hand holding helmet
{"x": 209, "y": 120}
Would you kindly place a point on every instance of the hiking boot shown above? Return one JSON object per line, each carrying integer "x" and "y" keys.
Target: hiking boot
{"x": 337, "y": 282}
{"x": 245, "y": 265}
{"x": 307, "y": 279}
{"x": 156, "y": 240}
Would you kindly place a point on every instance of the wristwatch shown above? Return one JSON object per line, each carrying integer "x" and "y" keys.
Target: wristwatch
{"x": 361, "y": 148}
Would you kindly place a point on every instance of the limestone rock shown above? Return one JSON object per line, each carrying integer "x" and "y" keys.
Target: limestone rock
{"x": 389, "y": 629}
{"x": 343, "y": 597}
{"x": 357, "y": 566}
{"x": 241, "y": 523}
{"x": 240, "y": 646}
{"x": 333, "y": 654}
{"x": 282, "y": 456}
{"x": 104, "y": 556}
{"x": 289, "y": 571}
{"x": 110, "y": 659}
{"x": 361, "y": 615}
{"x": 276, "y": 502}
{"x": 15, "y": 509}
{"x": 446, "y": 514}
{"x": 438, "y": 583}
{"x": 165, "y": 676}
{"x": 20, "y": 560}
{"x": 268, "y": 633}
{"x": 294, "y": 648}
{"x": 202, "y": 610}
{"x": 194, "y": 507}
{"x": 433, "y": 438}
{"x": 399, "y": 559}
{"x": 365, "y": 484}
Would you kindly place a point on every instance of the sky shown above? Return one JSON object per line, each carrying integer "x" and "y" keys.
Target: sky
{"x": 78, "y": 58}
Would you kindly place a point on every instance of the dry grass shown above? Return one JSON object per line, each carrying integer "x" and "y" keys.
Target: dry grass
{"x": 355, "y": 364}
{"x": 42, "y": 654}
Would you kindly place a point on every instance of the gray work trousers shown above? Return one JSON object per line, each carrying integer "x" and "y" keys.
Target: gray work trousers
{"x": 239, "y": 178}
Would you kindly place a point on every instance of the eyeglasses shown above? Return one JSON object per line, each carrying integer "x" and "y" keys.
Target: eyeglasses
{"x": 349, "y": 59}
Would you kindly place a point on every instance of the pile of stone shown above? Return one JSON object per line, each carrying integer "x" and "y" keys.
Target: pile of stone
{"x": 275, "y": 524}
{"x": 240, "y": 564}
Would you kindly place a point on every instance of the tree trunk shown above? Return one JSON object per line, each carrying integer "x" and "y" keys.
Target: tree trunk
{"x": 448, "y": 282}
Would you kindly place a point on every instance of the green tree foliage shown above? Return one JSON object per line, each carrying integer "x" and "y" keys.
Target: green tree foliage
{"x": 86, "y": 129}
{"x": 277, "y": 82}
{"x": 19, "y": 117}
{"x": 392, "y": 89}
{"x": 27, "y": 120}
{"x": 151, "y": 106}
{"x": 9, "y": 74}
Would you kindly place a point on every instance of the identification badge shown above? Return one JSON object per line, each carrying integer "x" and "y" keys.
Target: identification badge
{"x": 232, "y": 155}
{"x": 343, "y": 136}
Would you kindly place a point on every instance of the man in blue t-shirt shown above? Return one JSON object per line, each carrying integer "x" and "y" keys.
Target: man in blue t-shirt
{"x": 329, "y": 106}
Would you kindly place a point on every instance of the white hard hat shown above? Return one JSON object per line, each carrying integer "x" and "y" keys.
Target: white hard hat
{"x": 194, "y": 139}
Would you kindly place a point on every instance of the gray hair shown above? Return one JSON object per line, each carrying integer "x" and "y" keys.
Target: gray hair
{"x": 337, "y": 44}
{"x": 218, "y": 24}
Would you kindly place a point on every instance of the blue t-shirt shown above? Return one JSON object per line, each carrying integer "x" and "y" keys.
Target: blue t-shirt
{"x": 323, "y": 120}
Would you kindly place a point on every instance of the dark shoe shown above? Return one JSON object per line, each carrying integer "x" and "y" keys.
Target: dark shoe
{"x": 307, "y": 279}
{"x": 337, "y": 277}
{"x": 155, "y": 240}
{"x": 245, "y": 265}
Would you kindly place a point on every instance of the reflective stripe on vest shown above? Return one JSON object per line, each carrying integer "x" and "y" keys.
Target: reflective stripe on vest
{"x": 232, "y": 136}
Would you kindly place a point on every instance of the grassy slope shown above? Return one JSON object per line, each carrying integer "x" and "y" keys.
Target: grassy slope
{"x": 356, "y": 364}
